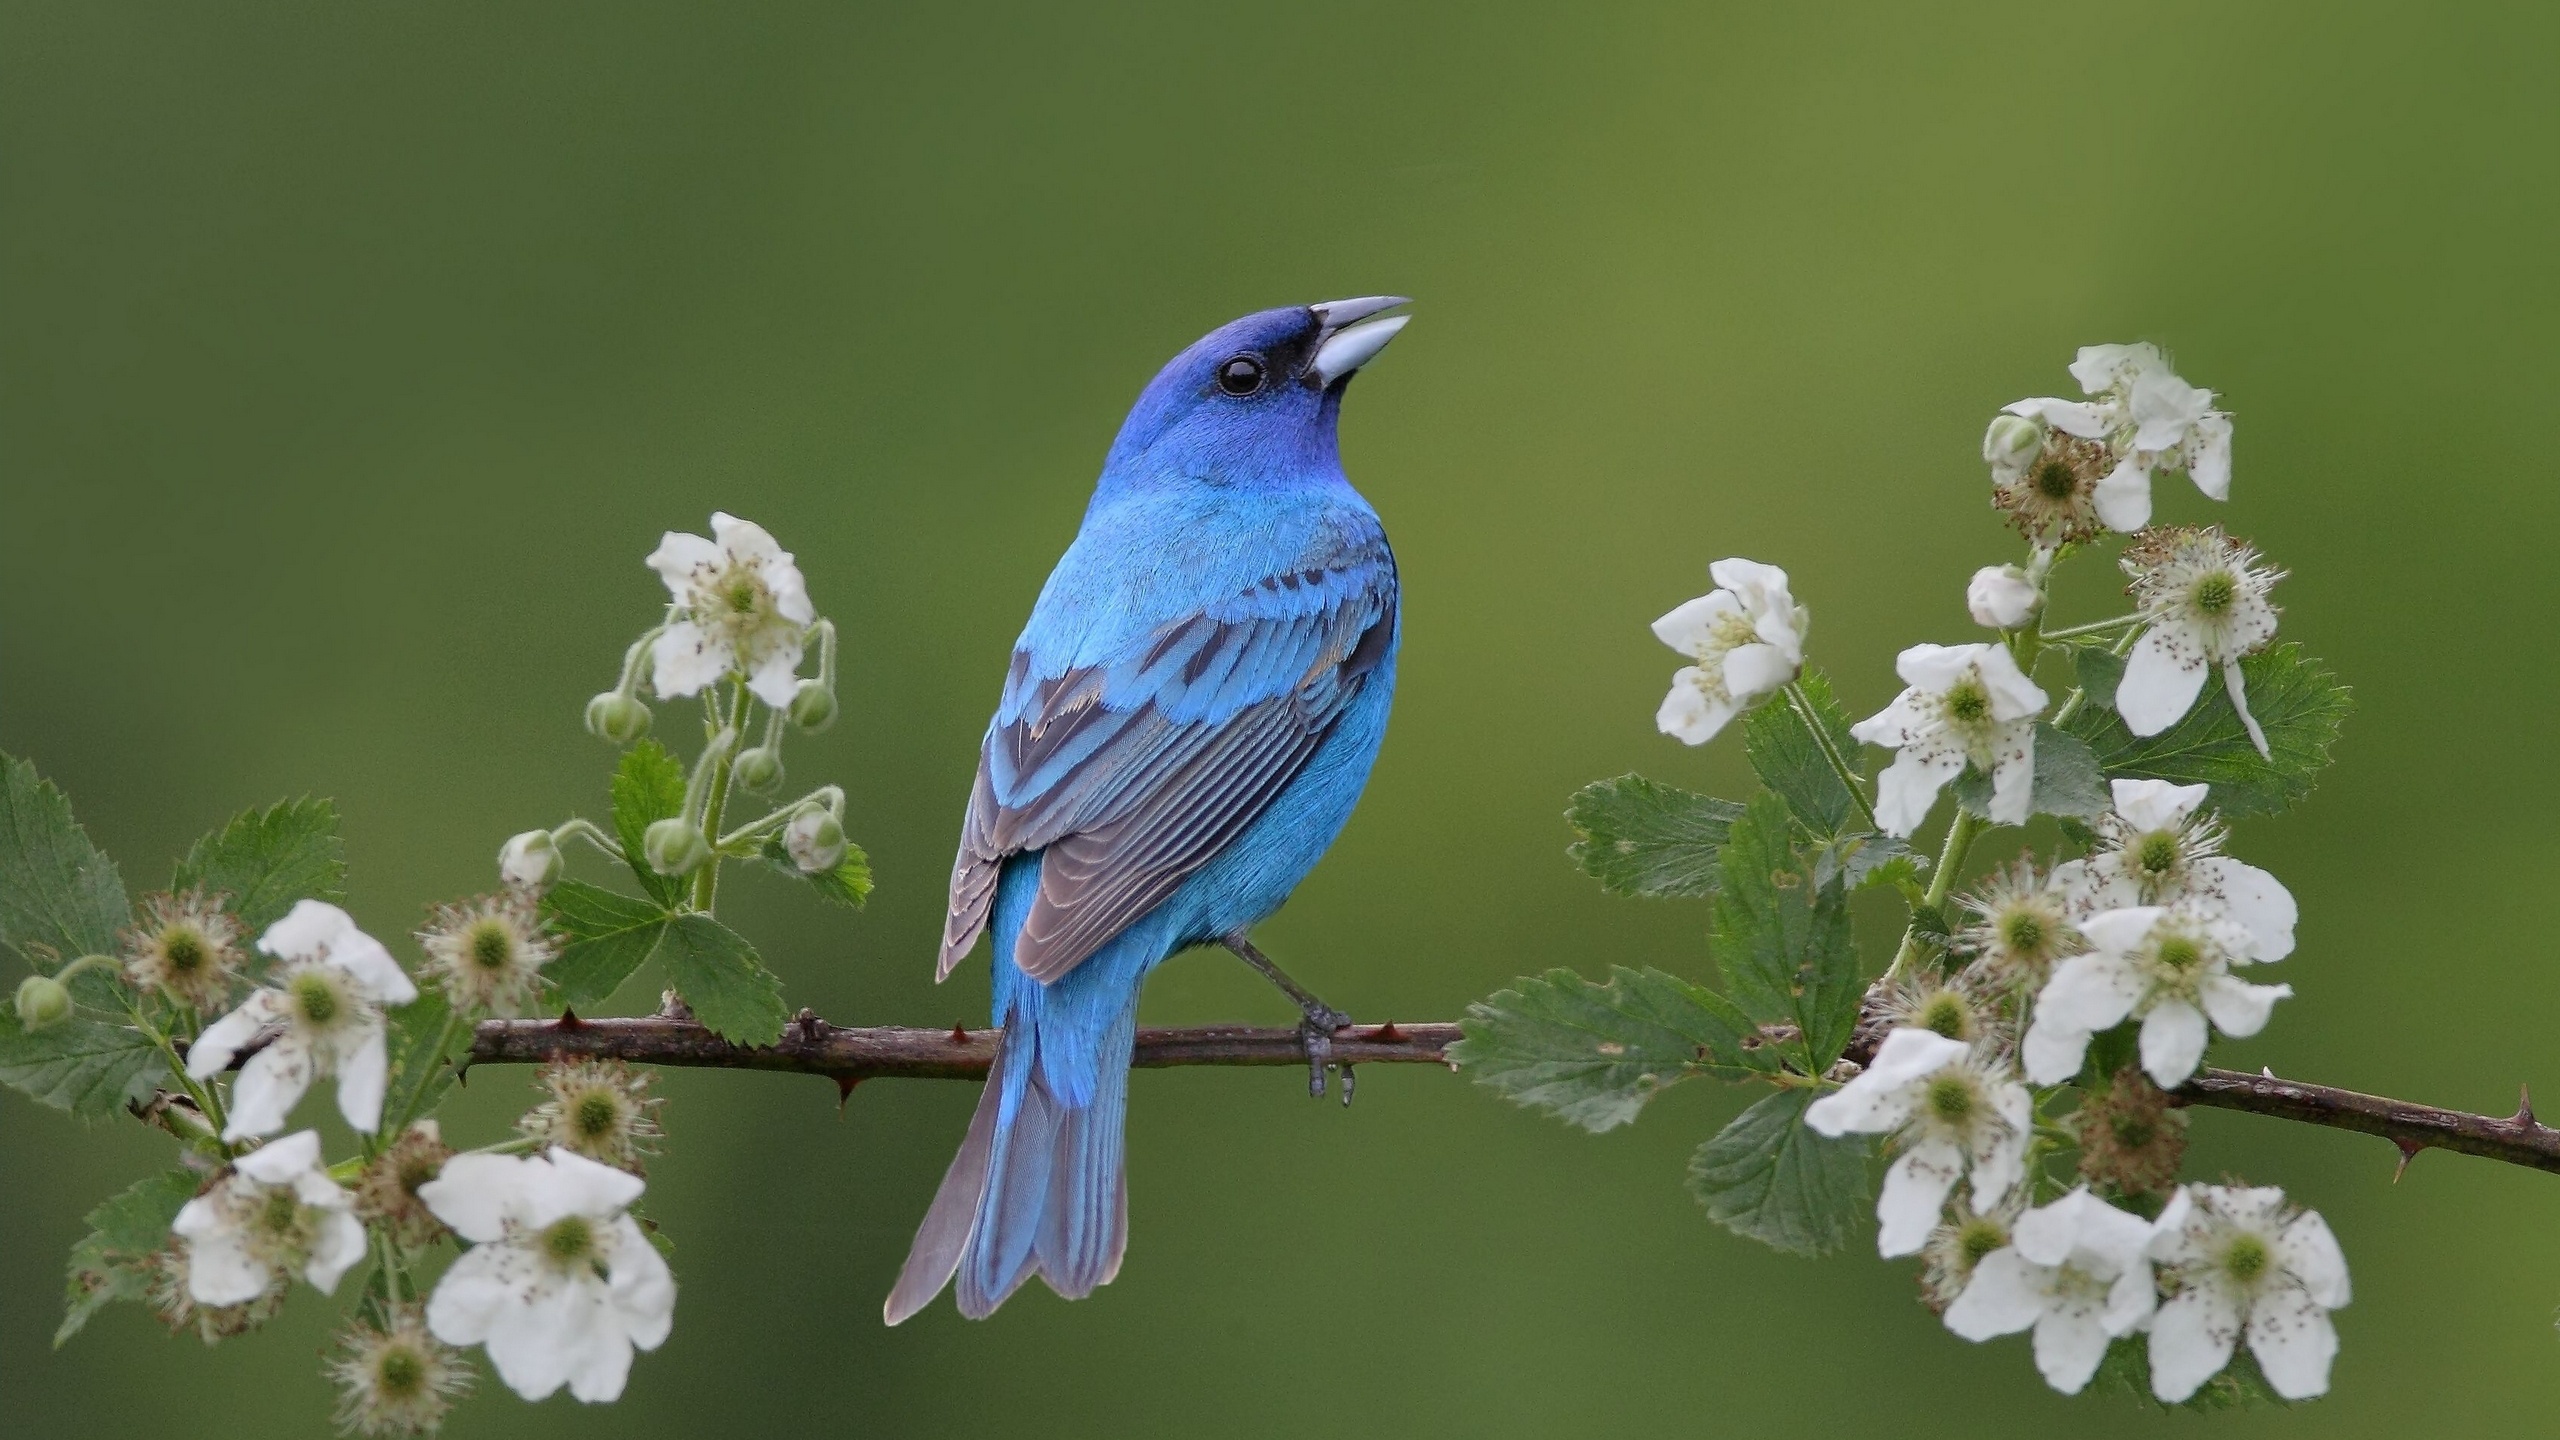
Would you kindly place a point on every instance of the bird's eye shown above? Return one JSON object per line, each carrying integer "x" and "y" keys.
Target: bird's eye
{"x": 1241, "y": 375}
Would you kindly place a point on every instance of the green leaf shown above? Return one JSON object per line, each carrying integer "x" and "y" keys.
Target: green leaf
{"x": 2126, "y": 1370}
{"x": 1592, "y": 1054}
{"x": 267, "y": 859}
{"x": 2294, "y": 697}
{"x": 719, "y": 974}
{"x": 1642, "y": 837}
{"x": 1767, "y": 1177}
{"x": 1783, "y": 749}
{"x": 607, "y": 937}
{"x": 81, "y": 1066}
{"x": 1783, "y": 943}
{"x": 849, "y": 884}
{"x": 115, "y": 1260}
{"x": 1862, "y": 859}
{"x": 648, "y": 786}
{"x": 59, "y": 898}
{"x": 2067, "y": 780}
{"x": 412, "y": 1035}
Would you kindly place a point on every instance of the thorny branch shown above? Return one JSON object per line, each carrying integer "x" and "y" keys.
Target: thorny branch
{"x": 850, "y": 1055}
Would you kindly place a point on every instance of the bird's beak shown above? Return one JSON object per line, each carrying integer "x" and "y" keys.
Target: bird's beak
{"x": 1350, "y": 338}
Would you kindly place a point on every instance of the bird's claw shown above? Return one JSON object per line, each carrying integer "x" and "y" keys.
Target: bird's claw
{"x": 1316, "y": 1032}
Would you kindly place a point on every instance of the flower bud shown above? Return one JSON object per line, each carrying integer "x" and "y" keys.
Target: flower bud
{"x": 759, "y": 769}
{"x": 813, "y": 706}
{"x": 531, "y": 861}
{"x": 44, "y": 1001}
{"x": 2002, "y": 597}
{"x": 2010, "y": 443}
{"x": 675, "y": 847}
{"x": 617, "y": 717}
{"x": 815, "y": 839}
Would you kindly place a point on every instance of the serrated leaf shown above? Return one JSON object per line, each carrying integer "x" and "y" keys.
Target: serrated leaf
{"x": 1593, "y": 1054}
{"x": 605, "y": 937}
{"x": 2126, "y": 1370}
{"x": 1789, "y": 760}
{"x": 1642, "y": 837}
{"x": 267, "y": 859}
{"x": 849, "y": 884}
{"x": 1862, "y": 858}
{"x": 648, "y": 786}
{"x": 1782, "y": 942}
{"x": 2299, "y": 704}
{"x": 115, "y": 1260}
{"x": 82, "y": 1066}
{"x": 1769, "y": 1178}
{"x": 720, "y": 975}
{"x": 2068, "y": 780}
{"x": 58, "y": 895}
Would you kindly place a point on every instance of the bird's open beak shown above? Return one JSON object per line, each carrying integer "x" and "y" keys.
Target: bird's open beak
{"x": 1350, "y": 338}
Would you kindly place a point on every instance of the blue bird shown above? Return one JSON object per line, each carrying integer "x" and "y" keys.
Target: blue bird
{"x": 1189, "y": 718}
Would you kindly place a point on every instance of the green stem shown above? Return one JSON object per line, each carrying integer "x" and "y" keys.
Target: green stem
{"x": 1960, "y": 837}
{"x": 2094, "y": 627}
{"x": 1831, "y": 753}
{"x": 706, "y": 881}
{"x": 208, "y": 1103}
{"x": 574, "y": 828}
{"x": 453, "y": 1023}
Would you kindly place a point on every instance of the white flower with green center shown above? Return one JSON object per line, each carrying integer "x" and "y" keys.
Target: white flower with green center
{"x": 2245, "y": 1263}
{"x": 275, "y": 1212}
{"x": 2204, "y": 597}
{"x": 2170, "y": 966}
{"x": 1954, "y": 1113}
{"x": 559, "y": 1283}
{"x": 1967, "y": 704}
{"x": 1961, "y": 1242}
{"x": 322, "y": 1015}
{"x": 2155, "y": 848}
{"x": 1747, "y": 636}
{"x": 487, "y": 954}
{"x": 2074, "y": 1272}
{"x": 395, "y": 1379}
{"x": 2022, "y": 925}
{"x": 2149, "y": 419}
{"x": 741, "y": 608}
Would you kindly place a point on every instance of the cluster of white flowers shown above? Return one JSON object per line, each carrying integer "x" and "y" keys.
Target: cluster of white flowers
{"x": 2153, "y": 931}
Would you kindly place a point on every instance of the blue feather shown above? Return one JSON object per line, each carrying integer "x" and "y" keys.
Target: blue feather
{"x": 1189, "y": 718}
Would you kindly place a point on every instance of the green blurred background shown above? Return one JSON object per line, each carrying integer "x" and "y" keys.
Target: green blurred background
{"x": 352, "y": 355}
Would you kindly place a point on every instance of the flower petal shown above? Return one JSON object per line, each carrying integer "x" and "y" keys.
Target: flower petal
{"x": 363, "y": 1074}
{"x": 775, "y": 677}
{"x": 225, "y": 1038}
{"x": 307, "y": 931}
{"x": 536, "y": 1339}
{"x": 2131, "y": 1299}
{"x": 283, "y": 1161}
{"x": 472, "y": 1294}
{"x": 335, "y": 1251}
{"x": 2162, "y": 679}
{"x": 2013, "y": 784}
{"x": 2013, "y": 695}
{"x": 2238, "y": 1008}
{"x": 477, "y": 1194}
{"x": 2294, "y": 1341}
{"x": 1688, "y": 714}
{"x": 221, "y": 1271}
{"x": 2173, "y": 1037}
{"x": 1936, "y": 667}
{"x": 2071, "y": 417}
{"x": 679, "y": 557}
{"x": 685, "y": 658}
{"x": 2123, "y": 498}
{"x": 1915, "y": 1191}
{"x": 2000, "y": 1152}
{"x": 2007, "y": 1293}
{"x": 643, "y": 1289}
{"x": 270, "y": 1085}
{"x": 2156, "y": 804}
{"x": 1904, "y": 721}
{"x": 363, "y": 959}
{"x": 1754, "y": 670}
{"x": 2209, "y": 455}
{"x": 2308, "y": 1250}
{"x": 2191, "y": 1340}
{"x": 1690, "y": 626}
{"x": 580, "y": 1186}
{"x": 2070, "y": 1341}
{"x": 1909, "y": 786}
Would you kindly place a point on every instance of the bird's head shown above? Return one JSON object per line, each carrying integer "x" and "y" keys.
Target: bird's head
{"x": 1254, "y": 401}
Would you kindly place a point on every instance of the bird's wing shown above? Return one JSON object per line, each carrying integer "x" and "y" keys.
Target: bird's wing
{"x": 1131, "y": 775}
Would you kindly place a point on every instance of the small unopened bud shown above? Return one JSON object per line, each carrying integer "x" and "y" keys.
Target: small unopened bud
{"x": 760, "y": 769}
{"x": 43, "y": 1002}
{"x": 531, "y": 861}
{"x": 815, "y": 839}
{"x": 2002, "y": 597}
{"x": 813, "y": 706}
{"x": 675, "y": 847}
{"x": 617, "y": 717}
{"x": 2010, "y": 443}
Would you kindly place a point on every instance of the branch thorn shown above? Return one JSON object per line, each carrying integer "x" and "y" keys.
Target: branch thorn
{"x": 959, "y": 1035}
{"x": 2408, "y": 1151}
{"x": 569, "y": 1019}
{"x": 2523, "y": 1118}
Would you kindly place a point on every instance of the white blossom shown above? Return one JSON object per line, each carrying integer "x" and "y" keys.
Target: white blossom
{"x": 1966, "y": 703}
{"x": 1747, "y": 636}
{"x": 531, "y": 862}
{"x": 2168, "y": 965}
{"x": 323, "y": 1009}
{"x": 1954, "y": 1112}
{"x": 2245, "y": 1263}
{"x": 2075, "y": 1272}
{"x": 275, "y": 1212}
{"x": 2001, "y": 597}
{"x": 560, "y": 1284}
{"x": 2150, "y": 419}
{"x": 2156, "y": 848}
{"x": 2203, "y": 596}
{"x": 741, "y": 608}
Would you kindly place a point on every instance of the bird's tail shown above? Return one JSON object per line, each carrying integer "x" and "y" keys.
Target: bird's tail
{"x": 1039, "y": 1186}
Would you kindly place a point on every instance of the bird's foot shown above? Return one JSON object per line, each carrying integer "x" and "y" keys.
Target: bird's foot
{"x": 1316, "y": 1030}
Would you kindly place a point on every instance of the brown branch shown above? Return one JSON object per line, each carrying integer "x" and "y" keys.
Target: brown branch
{"x": 850, "y": 1055}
